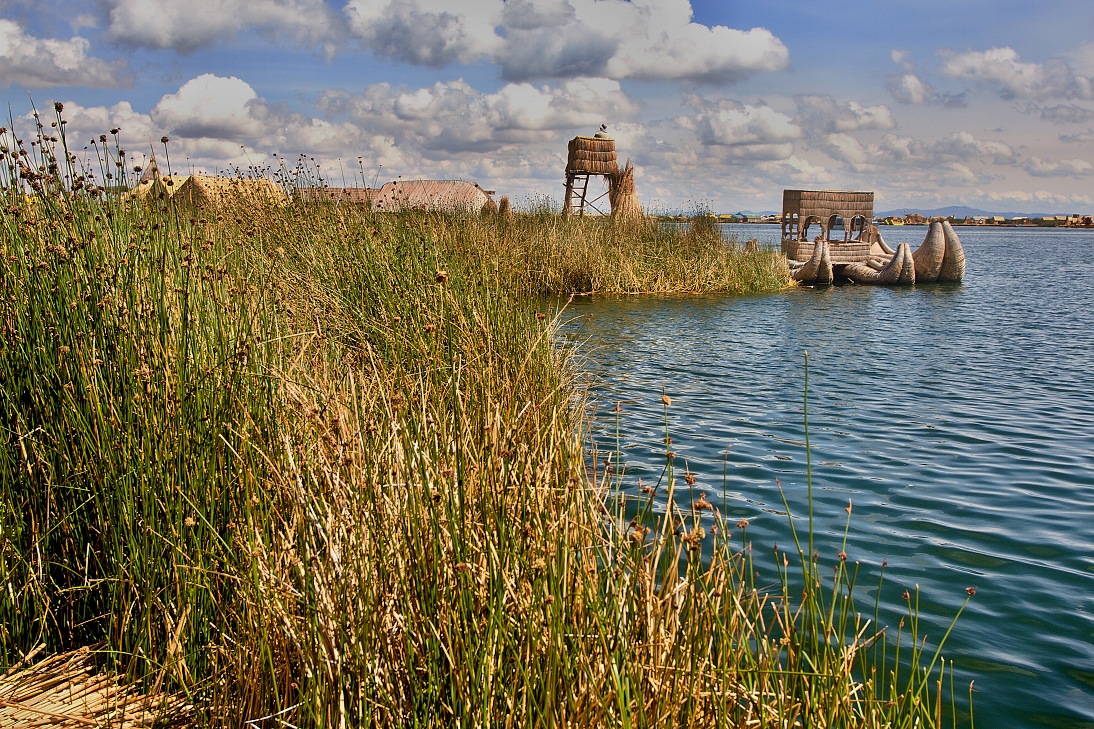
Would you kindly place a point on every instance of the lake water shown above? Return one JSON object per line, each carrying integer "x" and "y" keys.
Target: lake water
{"x": 957, "y": 418}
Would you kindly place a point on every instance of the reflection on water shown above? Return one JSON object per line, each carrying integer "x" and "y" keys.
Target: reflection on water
{"x": 955, "y": 417}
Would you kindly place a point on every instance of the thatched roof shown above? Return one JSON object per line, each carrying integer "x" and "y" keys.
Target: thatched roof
{"x": 153, "y": 185}
{"x": 157, "y": 187}
{"x": 353, "y": 195}
{"x": 446, "y": 195}
{"x": 826, "y": 203}
{"x": 209, "y": 191}
{"x": 592, "y": 155}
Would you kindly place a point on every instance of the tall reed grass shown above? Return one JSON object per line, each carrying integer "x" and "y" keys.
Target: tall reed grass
{"x": 320, "y": 467}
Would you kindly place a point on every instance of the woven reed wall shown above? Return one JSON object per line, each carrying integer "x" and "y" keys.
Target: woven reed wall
{"x": 592, "y": 155}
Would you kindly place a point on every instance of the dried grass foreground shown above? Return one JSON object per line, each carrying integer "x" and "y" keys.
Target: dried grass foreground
{"x": 71, "y": 691}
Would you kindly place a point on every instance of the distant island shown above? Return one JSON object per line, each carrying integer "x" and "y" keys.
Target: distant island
{"x": 956, "y": 214}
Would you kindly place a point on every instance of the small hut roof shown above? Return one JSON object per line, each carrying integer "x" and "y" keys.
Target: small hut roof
{"x": 825, "y": 203}
{"x": 449, "y": 195}
{"x": 153, "y": 184}
{"x": 151, "y": 171}
{"x": 207, "y": 190}
{"x": 147, "y": 188}
{"x": 354, "y": 195}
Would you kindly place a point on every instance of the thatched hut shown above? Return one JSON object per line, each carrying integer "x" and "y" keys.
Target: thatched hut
{"x": 152, "y": 189}
{"x": 361, "y": 196}
{"x": 153, "y": 185}
{"x": 436, "y": 195}
{"x": 207, "y": 191}
{"x": 828, "y": 209}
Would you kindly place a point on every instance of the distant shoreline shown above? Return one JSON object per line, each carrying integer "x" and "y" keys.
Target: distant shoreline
{"x": 954, "y": 223}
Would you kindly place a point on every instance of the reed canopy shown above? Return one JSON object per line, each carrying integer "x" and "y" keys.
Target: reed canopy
{"x": 802, "y": 208}
{"x": 592, "y": 155}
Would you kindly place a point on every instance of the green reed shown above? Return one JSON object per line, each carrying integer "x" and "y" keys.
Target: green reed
{"x": 545, "y": 254}
{"x": 312, "y": 463}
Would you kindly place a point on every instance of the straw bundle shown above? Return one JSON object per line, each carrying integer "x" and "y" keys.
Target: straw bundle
{"x": 818, "y": 269}
{"x": 953, "y": 263}
{"x": 592, "y": 155}
{"x": 928, "y": 257}
{"x": 505, "y": 210}
{"x": 67, "y": 691}
{"x": 592, "y": 167}
{"x": 900, "y": 270}
{"x": 622, "y": 195}
{"x": 592, "y": 144}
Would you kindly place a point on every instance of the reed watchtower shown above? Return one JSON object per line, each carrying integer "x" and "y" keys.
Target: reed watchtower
{"x": 588, "y": 156}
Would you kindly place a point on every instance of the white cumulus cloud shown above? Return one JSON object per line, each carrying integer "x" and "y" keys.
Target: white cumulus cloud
{"x": 1040, "y": 167}
{"x": 1013, "y": 78}
{"x": 187, "y": 26}
{"x": 908, "y": 88}
{"x": 963, "y": 145}
{"x": 746, "y": 131}
{"x": 451, "y": 117}
{"x": 209, "y": 106}
{"x": 826, "y": 114}
{"x": 427, "y": 32}
{"x": 542, "y": 39}
{"x": 43, "y": 62}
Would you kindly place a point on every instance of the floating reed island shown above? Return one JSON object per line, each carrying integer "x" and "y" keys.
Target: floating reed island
{"x": 861, "y": 254}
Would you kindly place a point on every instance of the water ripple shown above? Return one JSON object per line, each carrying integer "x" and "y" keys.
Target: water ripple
{"x": 956, "y": 418}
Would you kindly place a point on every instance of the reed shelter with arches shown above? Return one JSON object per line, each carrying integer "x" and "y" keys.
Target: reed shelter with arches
{"x": 830, "y": 210}
{"x": 849, "y": 245}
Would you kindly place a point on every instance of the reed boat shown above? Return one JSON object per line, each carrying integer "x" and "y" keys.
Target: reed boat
{"x": 851, "y": 247}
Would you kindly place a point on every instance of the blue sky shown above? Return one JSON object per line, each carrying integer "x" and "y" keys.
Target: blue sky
{"x": 720, "y": 105}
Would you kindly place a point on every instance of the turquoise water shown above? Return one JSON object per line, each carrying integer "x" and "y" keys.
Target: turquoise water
{"x": 956, "y": 418}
